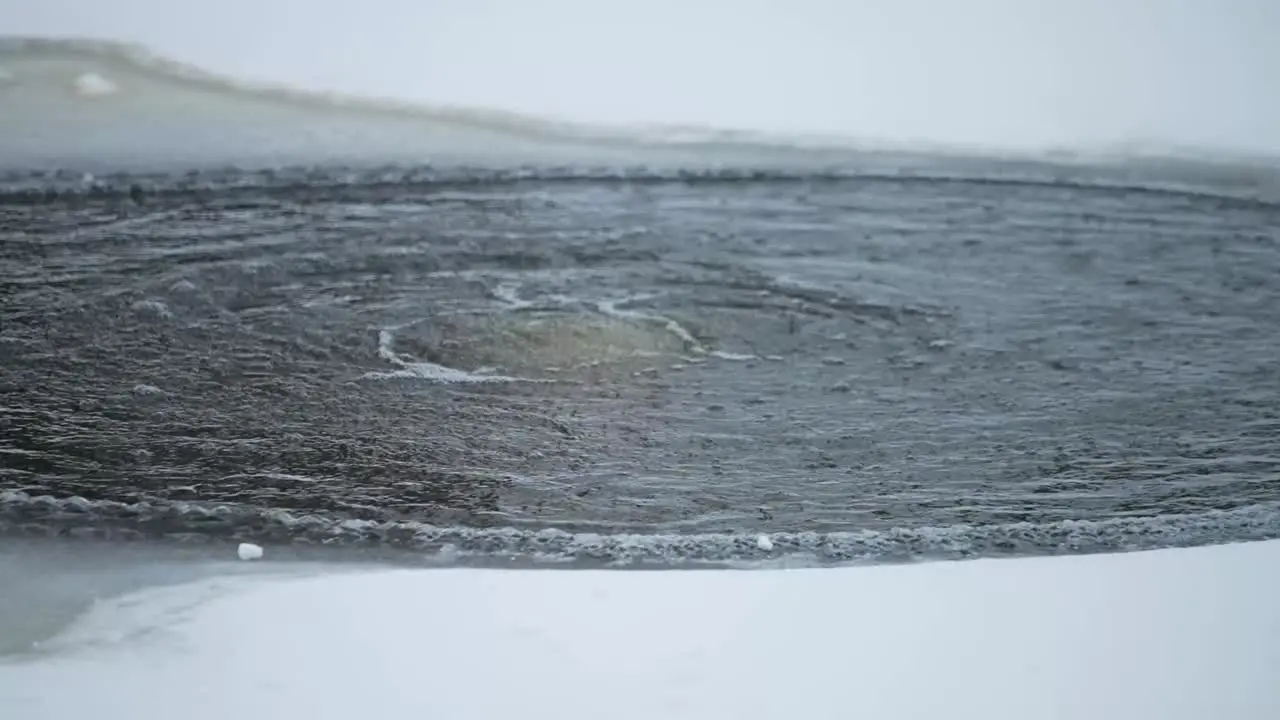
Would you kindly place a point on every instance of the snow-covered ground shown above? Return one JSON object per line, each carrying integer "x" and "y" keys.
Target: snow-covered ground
{"x": 1189, "y": 633}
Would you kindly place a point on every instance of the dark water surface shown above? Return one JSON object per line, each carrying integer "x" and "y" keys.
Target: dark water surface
{"x": 651, "y": 358}
{"x": 869, "y": 367}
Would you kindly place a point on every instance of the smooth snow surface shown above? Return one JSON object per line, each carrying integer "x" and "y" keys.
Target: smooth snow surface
{"x": 1163, "y": 635}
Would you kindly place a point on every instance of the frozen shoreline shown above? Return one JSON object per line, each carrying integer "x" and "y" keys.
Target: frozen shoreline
{"x": 1185, "y": 633}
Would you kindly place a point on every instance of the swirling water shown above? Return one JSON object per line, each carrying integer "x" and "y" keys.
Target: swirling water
{"x": 234, "y": 311}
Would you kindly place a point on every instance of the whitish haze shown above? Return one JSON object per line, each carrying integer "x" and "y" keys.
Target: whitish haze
{"x": 1003, "y": 72}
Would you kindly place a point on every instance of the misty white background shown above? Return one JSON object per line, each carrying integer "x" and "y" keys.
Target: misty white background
{"x": 1015, "y": 73}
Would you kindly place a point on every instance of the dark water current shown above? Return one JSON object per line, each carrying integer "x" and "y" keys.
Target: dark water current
{"x": 651, "y": 368}
{"x": 629, "y": 345}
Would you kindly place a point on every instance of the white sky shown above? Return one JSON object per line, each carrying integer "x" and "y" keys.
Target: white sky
{"x": 995, "y": 72}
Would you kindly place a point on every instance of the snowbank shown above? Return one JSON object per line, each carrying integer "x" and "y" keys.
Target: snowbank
{"x": 1163, "y": 635}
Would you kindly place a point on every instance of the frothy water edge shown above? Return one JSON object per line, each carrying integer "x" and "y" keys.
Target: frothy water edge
{"x": 25, "y": 514}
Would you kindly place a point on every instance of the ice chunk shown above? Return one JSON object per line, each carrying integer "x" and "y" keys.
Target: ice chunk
{"x": 249, "y": 551}
{"x": 764, "y": 543}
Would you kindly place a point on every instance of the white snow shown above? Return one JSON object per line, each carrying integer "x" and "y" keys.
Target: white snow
{"x": 249, "y": 551}
{"x": 94, "y": 85}
{"x": 1161, "y": 635}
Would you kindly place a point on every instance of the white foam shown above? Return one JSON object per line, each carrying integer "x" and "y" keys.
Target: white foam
{"x": 427, "y": 370}
{"x": 386, "y": 346}
{"x": 94, "y": 85}
{"x": 439, "y": 373}
{"x": 737, "y": 357}
{"x": 509, "y": 295}
{"x": 1251, "y": 522}
{"x": 610, "y": 307}
{"x": 154, "y": 308}
{"x": 1169, "y": 634}
{"x": 764, "y": 543}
